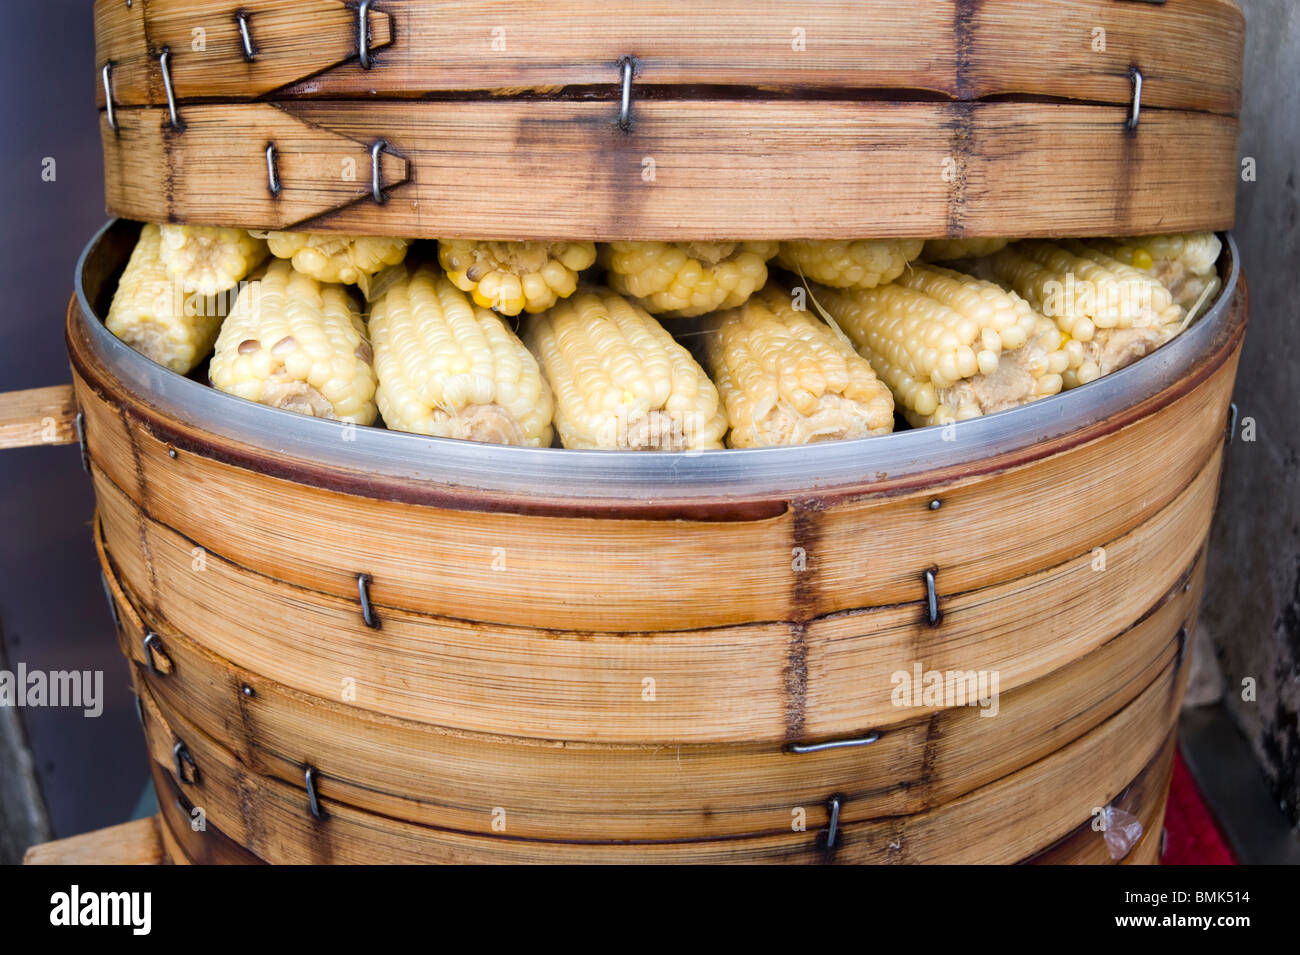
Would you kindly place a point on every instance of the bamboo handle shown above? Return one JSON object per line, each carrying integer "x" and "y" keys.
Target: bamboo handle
{"x": 38, "y": 416}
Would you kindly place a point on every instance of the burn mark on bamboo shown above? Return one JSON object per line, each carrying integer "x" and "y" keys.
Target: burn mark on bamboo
{"x": 795, "y": 678}
{"x": 929, "y": 753}
{"x": 961, "y": 151}
{"x": 963, "y": 28}
{"x": 142, "y": 510}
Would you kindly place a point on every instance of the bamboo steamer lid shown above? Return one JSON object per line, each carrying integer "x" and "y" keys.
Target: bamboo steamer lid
{"x": 664, "y": 119}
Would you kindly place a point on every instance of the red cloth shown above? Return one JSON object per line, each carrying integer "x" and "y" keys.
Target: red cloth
{"x": 1194, "y": 838}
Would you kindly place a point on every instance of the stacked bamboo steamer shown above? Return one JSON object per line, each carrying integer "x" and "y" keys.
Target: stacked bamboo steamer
{"x": 497, "y": 654}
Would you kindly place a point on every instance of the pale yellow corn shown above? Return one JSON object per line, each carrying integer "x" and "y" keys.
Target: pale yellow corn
{"x": 208, "y": 259}
{"x": 681, "y": 279}
{"x": 1187, "y": 265}
{"x": 1080, "y": 288}
{"x": 350, "y": 259}
{"x": 295, "y": 343}
{"x": 514, "y": 277}
{"x": 787, "y": 378}
{"x": 943, "y": 250}
{"x": 451, "y": 368}
{"x": 950, "y": 346}
{"x": 152, "y": 314}
{"x": 620, "y": 380}
{"x": 862, "y": 263}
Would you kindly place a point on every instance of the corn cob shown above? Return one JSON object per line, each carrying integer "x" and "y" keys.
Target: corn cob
{"x": 1184, "y": 264}
{"x": 943, "y": 250}
{"x": 620, "y": 380}
{"x": 788, "y": 378}
{"x": 152, "y": 315}
{"x": 295, "y": 343}
{"x": 1111, "y": 313}
{"x": 514, "y": 277}
{"x": 207, "y": 259}
{"x": 1082, "y": 289}
{"x": 450, "y": 368}
{"x": 864, "y": 263}
{"x": 350, "y": 259}
{"x": 951, "y": 346}
{"x": 682, "y": 279}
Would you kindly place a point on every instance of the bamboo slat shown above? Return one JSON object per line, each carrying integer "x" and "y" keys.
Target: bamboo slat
{"x": 183, "y": 843}
{"x": 556, "y": 788}
{"x": 1145, "y": 798}
{"x": 1082, "y": 49}
{"x": 38, "y": 416}
{"x": 510, "y": 168}
{"x": 776, "y": 681}
{"x": 601, "y": 565}
{"x": 292, "y": 40}
{"x": 1002, "y": 822}
{"x": 131, "y": 843}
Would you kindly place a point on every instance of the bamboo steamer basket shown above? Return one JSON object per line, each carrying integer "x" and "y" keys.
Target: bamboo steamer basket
{"x": 353, "y": 645}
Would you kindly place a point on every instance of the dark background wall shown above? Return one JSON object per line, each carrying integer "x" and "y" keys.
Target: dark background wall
{"x": 52, "y": 610}
{"x": 1252, "y": 607}
{"x": 53, "y": 614}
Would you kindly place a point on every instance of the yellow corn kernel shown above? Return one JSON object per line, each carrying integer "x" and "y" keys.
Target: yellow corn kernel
{"x": 451, "y": 368}
{"x": 295, "y": 343}
{"x": 514, "y": 277}
{"x": 950, "y": 346}
{"x": 349, "y": 259}
{"x": 620, "y": 380}
{"x": 787, "y": 378}
{"x": 682, "y": 279}
{"x": 152, "y": 314}
{"x": 208, "y": 259}
{"x": 861, "y": 263}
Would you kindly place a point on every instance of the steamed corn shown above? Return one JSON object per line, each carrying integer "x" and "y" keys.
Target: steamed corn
{"x": 295, "y": 343}
{"x": 451, "y": 368}
{"x": 863, "y": 263}
{"x": 1187, "y": 265}
{"x": 943, "y": 250}
{"x": 950, "y": 346}
{"x": 683, "y": 279}
{"x": 349, "y": 259}
{"x": 514, "y": 277}
{"x": 208, "y": 259}
{"x": 1115, "y": 312}
{"x": 152, "y": 314}
{"x": 787, "y": 378}
{"x": 620, "y": 380}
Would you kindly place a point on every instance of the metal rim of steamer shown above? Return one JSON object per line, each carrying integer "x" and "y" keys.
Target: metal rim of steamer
{"x": 691, "y": 475}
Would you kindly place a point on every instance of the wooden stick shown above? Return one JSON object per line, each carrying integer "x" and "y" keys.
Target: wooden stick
{"x": 38, "y": 416}
{"x": 131, "y": 843}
